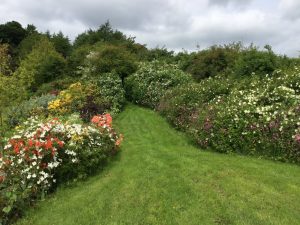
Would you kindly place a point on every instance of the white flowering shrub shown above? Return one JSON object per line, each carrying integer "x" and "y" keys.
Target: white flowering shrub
{"x": 255, "y": 116}
{"x": 41, "y": 154}
{"x": 261, "y": 118}
{"x": 152, "y": 80}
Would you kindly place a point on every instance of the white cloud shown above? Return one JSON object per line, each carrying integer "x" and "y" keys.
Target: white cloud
{"x": 176, "y": 24}
{"x": 290, "y": 8}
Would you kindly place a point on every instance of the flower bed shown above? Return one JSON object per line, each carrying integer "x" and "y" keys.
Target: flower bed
{"x": 42, "y": 154}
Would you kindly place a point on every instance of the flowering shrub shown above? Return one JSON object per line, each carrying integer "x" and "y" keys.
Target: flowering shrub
{"x": 256, "y": 116}
{"x": 41, "y": 154}
{"x": 152, "y": 80}
{"x": 89, "y": 97}
{"x": 68, "y": 100}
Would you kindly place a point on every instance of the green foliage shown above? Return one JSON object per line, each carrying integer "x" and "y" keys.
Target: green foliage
{"x": 11, "y": 90}
{"x": 111, "y": 58}
{"x": 35, "y": 106}
{"x": 42, "y": 65}
{"x": 28, "y": 43}
{"x": 61, "y": 44}
{"x": 12, "y": 33}
{"x": 181, "y": 105}
{"x": 160, "y": 54}
{"x": 184, "y": 59}
{"x": 54, "y": 87}
{"x": 5, "y": 60}
{"x": 110, "y": 90}
{"x": 77, "y": 59}
{"x": 96, "y": 95}
{"x": 213, "y": 61}
{"x": 253, "y": 61}
{"x": 104, "y": 33}
{"x": 152, "y": 80}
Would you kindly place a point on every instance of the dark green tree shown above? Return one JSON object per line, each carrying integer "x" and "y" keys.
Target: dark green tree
{"x": 104, "y": 33}
{"x": 61, "y": 43}
{"x": 12, "y": 33}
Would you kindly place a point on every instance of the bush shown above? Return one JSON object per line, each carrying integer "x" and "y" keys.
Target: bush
{"x": 110, "y": 58}
{"x": 181, "y": 105}
{"x": 254, "y": 116}
{"x": 92, "y": 96}
{"x": 109, "y": 87}
{"x": 35, "y": 106}
{"x": 213, "y": 61}
{"x": 253, "y": 61}
{"x": 262, "y": 119}
{"x": 41, "y": 154}
{"x": 152, "y": 80}
{"x": 54, "y": 87}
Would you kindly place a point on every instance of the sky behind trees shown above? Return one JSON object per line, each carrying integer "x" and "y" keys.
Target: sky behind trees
{"x": 175, "y": 24}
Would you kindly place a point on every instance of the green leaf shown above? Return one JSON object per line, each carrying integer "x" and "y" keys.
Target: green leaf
{"x": 7, "y": 209}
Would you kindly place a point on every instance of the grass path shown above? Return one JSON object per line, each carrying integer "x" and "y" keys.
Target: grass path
{"x": 159, "y": 178}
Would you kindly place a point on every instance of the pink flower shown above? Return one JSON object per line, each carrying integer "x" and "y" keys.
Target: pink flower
{"x": 297, "y": 138}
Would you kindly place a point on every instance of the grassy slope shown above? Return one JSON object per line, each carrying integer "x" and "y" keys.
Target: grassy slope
{"x": 159, "y": 178}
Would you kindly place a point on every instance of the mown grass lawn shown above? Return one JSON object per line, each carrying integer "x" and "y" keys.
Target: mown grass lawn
{"x": 160, "y": 178}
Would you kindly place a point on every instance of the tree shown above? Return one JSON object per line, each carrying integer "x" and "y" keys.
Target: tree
{"x": 61, "y": 43}
{"x": 31, "y": 29}
{"x": 104, "y": 34}
{"x": 27, "y": 44}
{"x": 5, "y": 60}
{"x": 42, "y": 65}
{"x": 12, "y": 33}
{"x": 109, "y": 58}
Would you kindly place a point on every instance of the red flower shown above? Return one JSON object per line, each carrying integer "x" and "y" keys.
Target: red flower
{"x": 48, "y": 144}
{"x": 95, "y": 119}
{"x": 108, "y": 119}
{"x": 30, "y": 143}
{"x": 38, "y": 144}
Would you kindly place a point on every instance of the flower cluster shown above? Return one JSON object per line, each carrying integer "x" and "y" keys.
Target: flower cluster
{"x": 68, "y": 99}
{"x": 42, "y": 153}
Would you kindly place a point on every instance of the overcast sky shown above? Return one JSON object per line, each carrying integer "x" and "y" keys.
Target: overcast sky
{"x": 175, "y": 24}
